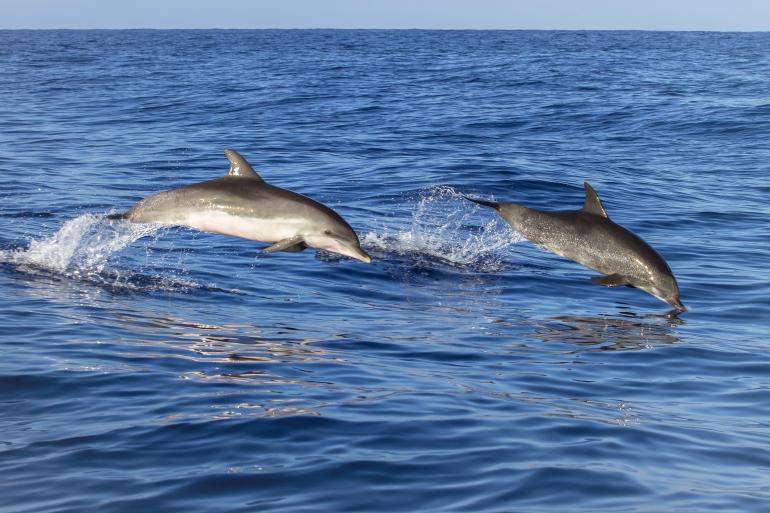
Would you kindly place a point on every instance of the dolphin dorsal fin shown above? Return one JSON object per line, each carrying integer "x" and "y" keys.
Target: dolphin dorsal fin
{"x": 239, "y": 166}
{"x": 593, "y": 204}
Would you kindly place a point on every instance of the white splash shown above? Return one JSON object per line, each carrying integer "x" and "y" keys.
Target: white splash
{"x": 81, "y": 250}
{"x": 448, "y": 228}
{"x": 82, "y": 245}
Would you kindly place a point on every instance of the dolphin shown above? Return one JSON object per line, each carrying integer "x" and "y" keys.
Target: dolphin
{"x": 590, "y": 238}
{"x": 243, "y": 205}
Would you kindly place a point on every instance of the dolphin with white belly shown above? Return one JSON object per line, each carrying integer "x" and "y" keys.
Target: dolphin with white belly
{"x": 243, "y": 205}
{"x": 590, "y": 238}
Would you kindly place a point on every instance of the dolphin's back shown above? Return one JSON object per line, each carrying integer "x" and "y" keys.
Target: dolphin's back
{"x": 591, "y": 240}
{"x": 237, "y": 206}
{"x": 230, "y": 195}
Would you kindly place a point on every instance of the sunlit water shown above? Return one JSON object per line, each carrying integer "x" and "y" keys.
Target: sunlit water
{"x": 162, "y": 369}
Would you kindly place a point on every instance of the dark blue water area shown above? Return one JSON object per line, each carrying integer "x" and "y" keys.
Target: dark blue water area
{"x": 162, "y": 369}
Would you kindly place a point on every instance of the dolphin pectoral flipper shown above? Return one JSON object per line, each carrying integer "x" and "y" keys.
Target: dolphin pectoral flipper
{"x": 291, "y": 245}
{"x": 611, "y": 280}
{"x": 296, "y": 248}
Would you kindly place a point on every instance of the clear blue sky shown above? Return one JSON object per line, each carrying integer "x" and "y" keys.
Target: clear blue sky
{"x": 728, "y": 15}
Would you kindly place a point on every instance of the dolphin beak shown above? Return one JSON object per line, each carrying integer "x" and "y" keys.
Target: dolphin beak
{"x": 678, "y": 305}
{"x": 360, "y": 254}
{"x": 350, "y": 249}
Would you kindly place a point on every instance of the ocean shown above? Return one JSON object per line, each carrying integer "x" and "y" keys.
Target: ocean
{"x": 161, "y": 369}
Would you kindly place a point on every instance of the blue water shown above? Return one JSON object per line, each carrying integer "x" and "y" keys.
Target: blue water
{"x": 464, "y": 370}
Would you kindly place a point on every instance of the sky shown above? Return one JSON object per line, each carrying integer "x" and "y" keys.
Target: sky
{"x": 723, "y": 15}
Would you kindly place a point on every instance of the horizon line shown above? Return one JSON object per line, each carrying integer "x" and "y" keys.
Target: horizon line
{"x": 445, "y": 29}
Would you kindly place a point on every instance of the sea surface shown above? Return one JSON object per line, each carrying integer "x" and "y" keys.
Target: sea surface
{"x": 159, "y": 369}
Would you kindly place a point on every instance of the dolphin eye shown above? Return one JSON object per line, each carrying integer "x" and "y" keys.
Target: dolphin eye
{"x": 327, "y": 232}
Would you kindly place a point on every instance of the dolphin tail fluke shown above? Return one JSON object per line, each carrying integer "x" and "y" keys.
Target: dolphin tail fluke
{"x": 490, "y": 204}
{"x": 116, "y": 217}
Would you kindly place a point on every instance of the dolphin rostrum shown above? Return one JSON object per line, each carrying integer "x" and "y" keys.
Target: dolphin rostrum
{"x": 590, "y": 238}
{"x": 243, "y": 205}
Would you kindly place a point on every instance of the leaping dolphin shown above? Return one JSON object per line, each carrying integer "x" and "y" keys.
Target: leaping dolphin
{"x": 590, "y": 238}
{"x": 243, "y": 205}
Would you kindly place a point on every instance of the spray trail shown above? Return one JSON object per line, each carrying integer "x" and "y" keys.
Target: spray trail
{"x": 81, "y": 250}
{"x": 82, "y": 245}
{"x": 447, "y": 229}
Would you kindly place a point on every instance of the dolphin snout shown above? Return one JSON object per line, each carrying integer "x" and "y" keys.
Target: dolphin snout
{"x": 348, "y": 248}
{"x": 360, "y": 254}
{"x": 678, "y": 305}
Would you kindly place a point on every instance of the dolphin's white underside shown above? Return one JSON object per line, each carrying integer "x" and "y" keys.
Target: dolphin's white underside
{"x": 262, "y": 230}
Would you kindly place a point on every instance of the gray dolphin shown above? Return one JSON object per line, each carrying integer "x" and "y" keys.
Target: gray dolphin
{"x": 243, "y": 205}
{"x": 590, "y": 238}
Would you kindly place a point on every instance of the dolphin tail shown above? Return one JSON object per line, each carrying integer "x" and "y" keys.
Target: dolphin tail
{"x": 490, "y": 204}
{"x": 114, "y": 217}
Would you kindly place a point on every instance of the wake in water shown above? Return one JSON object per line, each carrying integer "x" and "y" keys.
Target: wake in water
{"x": 446, "y": 229}
{"x": 82, "y": 249}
